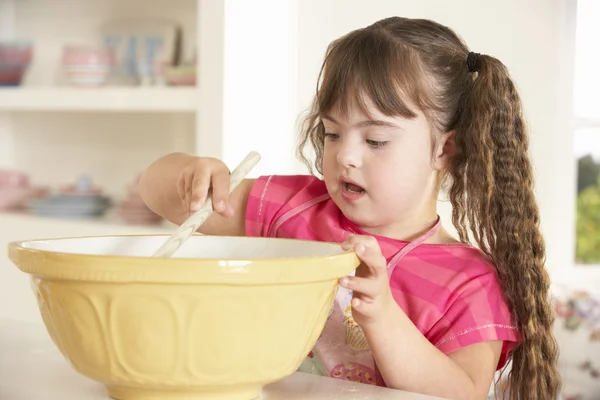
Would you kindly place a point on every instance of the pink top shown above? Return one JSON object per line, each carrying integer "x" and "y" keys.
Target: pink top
{"x": 450, "y": 292}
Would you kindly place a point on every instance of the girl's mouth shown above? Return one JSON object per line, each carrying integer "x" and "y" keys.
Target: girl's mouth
{"x": 352, "y": 188}
{"x": 352, "y": 192}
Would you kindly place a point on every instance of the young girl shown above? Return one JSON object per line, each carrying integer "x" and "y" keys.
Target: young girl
{"x": 402, "y": 108}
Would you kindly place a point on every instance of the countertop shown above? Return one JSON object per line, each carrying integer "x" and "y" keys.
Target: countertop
{"x": 31, "y": 368}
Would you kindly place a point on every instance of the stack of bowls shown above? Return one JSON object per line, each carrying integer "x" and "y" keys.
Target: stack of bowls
{"x": 88, "y": 65}
{"x": 133, "y": 210}
{"x": 15, "y": 190}
{"x": 81, "y": 200}
{"x": 15, "y": 58}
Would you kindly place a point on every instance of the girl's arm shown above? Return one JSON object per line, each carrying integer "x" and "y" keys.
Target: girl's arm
{"x": 174, "y": 184}
{"x": 405, "y": 358}
{"x": 408, "y": 361}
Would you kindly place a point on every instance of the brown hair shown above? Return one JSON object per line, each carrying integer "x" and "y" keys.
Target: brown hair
{"x": 398, "y": 62}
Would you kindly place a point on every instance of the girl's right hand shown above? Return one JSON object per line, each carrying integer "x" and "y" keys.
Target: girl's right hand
{"x": 203, "y": 177}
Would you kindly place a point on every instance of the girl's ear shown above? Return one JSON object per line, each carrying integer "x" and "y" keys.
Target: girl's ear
{"x": 445, "y": 150}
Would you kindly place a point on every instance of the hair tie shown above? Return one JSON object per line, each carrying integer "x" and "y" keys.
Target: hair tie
{"x": 472, "y": 62}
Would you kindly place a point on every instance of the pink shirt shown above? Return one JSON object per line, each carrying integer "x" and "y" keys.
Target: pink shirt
{"x": 450, "y": 292}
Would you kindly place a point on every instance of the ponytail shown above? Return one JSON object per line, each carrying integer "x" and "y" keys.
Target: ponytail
{"x": 491, "y": 190}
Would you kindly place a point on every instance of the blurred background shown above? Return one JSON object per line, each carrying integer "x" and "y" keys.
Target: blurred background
{"x": 91, "y": 92}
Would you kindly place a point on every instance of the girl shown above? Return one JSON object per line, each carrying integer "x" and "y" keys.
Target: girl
{"x": 401, "y": 109}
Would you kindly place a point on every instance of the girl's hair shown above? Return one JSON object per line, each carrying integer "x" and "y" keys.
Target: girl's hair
{"x": 400, "y": 64}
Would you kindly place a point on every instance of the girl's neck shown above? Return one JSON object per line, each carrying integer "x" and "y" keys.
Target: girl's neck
{"x": 406, "y": 229}
{"x": 410, "y": 231}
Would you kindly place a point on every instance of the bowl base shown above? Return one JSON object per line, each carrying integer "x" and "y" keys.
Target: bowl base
{"x": 249, "y": 392}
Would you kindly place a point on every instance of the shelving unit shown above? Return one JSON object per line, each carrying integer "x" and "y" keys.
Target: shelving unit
{"x": 112, "y": 99}
{"x": 56, "y": 132}
{"x": 244, "y": 98}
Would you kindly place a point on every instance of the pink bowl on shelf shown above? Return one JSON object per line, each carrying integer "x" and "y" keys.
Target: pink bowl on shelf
{"x": 87, "y": 55}
{"x": 15, "y": 190}
{"x": 133, "y": 210}
{"x": 13, "y": 179}
{"x": 72, "y": 190}
{"x": 15, "y": 58}
{"x": 88, "y": 65}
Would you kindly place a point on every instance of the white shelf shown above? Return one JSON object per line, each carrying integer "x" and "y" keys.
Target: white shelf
{"x": 29, "y": 225}
{"x": 156, "y": 99}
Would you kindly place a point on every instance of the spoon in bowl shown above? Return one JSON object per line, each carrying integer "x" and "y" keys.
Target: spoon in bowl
{"x": 191, "y": 225}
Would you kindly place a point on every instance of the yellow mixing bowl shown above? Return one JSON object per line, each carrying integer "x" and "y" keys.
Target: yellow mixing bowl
{"x": 223, "y": 318}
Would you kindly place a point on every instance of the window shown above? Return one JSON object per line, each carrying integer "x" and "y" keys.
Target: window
{"x": 587, "y": 131}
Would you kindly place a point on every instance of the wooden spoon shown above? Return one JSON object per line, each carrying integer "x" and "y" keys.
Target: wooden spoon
{"x": 192, "y": 224}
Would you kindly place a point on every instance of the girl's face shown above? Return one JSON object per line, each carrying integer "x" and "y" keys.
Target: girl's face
{"x": 380, "y": 170}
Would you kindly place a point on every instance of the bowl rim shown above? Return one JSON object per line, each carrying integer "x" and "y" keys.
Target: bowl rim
{"x": 56, "y": 265}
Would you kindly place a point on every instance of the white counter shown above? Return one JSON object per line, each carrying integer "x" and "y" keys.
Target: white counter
{"x": 31, "y": 368}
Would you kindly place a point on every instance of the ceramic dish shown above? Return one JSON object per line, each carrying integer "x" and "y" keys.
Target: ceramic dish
{"x": 221, "y": 319}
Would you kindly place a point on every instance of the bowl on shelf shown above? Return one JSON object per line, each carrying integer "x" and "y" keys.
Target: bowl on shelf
{"x": 15, "y": 58}
{"x": 83, "y": 187}
{"x": 133, "y": 210}
{"x": 13, "y": 179}
{"x": 16, "y": 198}
{"x": 134, "y": 215}
{"x": 16, "y": 191}
{"x": 182, "y": 75}
{"x": 221, "y": 319}
{"x": 66, "y": 206}
{"x": 87, "y": 65}
{"x": 79, "y": 200}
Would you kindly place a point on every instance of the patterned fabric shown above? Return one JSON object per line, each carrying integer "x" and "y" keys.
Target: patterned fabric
{"x": 450, "y": 292}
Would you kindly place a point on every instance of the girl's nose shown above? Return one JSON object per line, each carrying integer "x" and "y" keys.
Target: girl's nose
{"x": 349, "y": 156}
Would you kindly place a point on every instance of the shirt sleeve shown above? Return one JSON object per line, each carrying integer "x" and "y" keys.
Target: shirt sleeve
{"x": 273, "y": 196}
{"x": 478, "y": 313}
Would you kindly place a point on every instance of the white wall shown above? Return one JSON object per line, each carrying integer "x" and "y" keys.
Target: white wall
{"x": 259, "y": 84}
{"x": 530, "y": 37}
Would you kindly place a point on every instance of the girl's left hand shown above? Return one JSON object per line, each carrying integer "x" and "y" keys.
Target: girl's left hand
{"x": 372, "y": 298}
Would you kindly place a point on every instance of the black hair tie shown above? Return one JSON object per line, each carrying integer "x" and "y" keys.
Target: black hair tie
{"x": 472, "y": 62}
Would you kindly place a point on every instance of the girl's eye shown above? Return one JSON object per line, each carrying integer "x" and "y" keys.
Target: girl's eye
{"x": 332, "y": 136}
{"x": 376, "y": 144}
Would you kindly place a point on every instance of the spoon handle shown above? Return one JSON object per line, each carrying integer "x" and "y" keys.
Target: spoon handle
{"x": 191, "y": 225}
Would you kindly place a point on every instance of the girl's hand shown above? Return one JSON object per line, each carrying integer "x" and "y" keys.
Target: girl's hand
{"x": 372, "y": 298}
{"x": 203, "y": 177}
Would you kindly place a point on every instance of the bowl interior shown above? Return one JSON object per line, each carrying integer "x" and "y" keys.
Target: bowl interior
{"x": 196, "y": 247}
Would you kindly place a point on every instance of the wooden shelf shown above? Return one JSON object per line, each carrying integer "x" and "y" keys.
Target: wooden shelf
{"x": 114, "y": 99}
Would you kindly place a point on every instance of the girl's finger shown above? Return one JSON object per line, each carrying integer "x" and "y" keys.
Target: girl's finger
{"x": 368, "y": 288}
{"x": 368, "y": 250}
{"x": 181, "y": 191}
{"x": 199, "y": 192}
{"x": 220, "y": 191}
{"x": 357, "y": 303}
